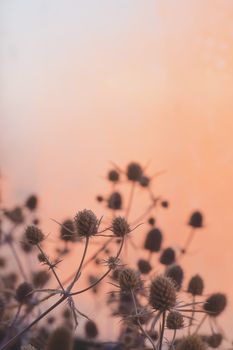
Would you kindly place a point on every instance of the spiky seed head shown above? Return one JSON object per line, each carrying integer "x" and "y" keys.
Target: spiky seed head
{"x": 129, "y": 279}
{"x": 168, "y": 256}
{"x": 60, "y": 339}
{"x": 34, "y": 235}
{"x": 196, "y": 219}
{"x": 40, "y": 278}
{"x": 153, "y": 240}
{"x": 67, "y": 232}
{"x": 215, "y": 304}
{"x": 86, "y": 223}
{"x": 151, "y": 221}
{"x": 31, "y": 202}
{"x": 91, "y": 329}
{"x": 144, "y": 181}
{"x": 164, "y": 204}
{"x": 175, "y": 320}
{"x": 162, "y": 295}
{"x": 115, "y": 201}
{"x": 196, "y": 285}
{"x": 25, "y": 246}
{"x": 214, "y": 340}
{"x": 176, "y": 273}
{"x": 24, "y": 293}
{"x": 113, "y": 175}
{"x": 134, "y": 171}
{"x": 42, "y": 258}
{"x": 120, "y": 226}
{"x": 15, "y": 215}
{"x": 144, "y": 266}
{"x": 191, "y": 342}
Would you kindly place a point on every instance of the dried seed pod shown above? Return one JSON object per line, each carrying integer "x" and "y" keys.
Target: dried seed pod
{"x": 168, "y": 256}
{"x": 215, "y": 304}
{"x": 175, "y": 272}
{"x": 67, "y": 232}
{"x": 24, "y": 293}
{"x": 99, "y": 198}
{"x": 196, "y": 285}
{"x": 40, "y": 278}
{"x": 31, "y": 202}
{"x": 134, "y": 172}
{"x": 144, "y": 266}
{"x": 144, "y": 181}
{"x": 34, "y": 235}
{"x": 91, "y": 329}
{"x": 196, "y": 219}
{"x": 175, "y": 320}
{"x": 214, "y": 340}
{"x": 153, "y": 240}
{"x": 25, "y": 246}
{"x": 120, "y": 226}
{"x": 191, "y": 342}
{"x": 113, "y": 175}
{"x": 60, "y": 339}
{"x": 86, "y": 223}
{"x": 164, "y": 204}
{"x": 15, "y": 215}
{"x": 129, "y": 279}
{"x": 151, "y": 221}
{"x": 162, "y": 295}
{"x": 115, "y": 201}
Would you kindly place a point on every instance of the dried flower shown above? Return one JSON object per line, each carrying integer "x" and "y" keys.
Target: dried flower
{"x": 175, "y": 272}
{"x": 164, "y": 204}
{"x": 196, "y": 220}
{"x": 113, "y": 175}
{"x": 129, "y": 279}
{"x": 144, "y": 181}
{"x": 162, "y": 295}
{"x": 60, "y": 339}
{"x": 144, "y": 266}
{"x": 34, "y": 235}
{"x": 115, "y": 201}
{"x": 151, "y": 221}
{"x": 24, "y": 293}
{"x": 215, "y": 304}
{"x": 153, "y": 240}
{"x": 91, "y": 329}
{"x": 196, "y": 285}
{"x": 191, "y": 342}
{"x": 86, "y": 223}
{"x": 168, "y": 256}
{"x": 214, "y": 340}
{"x": 15, "y": 215}
{"x": 120, "y": 226}
{"x": 67, "y": 230}
{"x": 31, "y": 202}
{"x": 175, "y": 320}
{"x": 134, "y": 171}
{"x": 40, "y": 278}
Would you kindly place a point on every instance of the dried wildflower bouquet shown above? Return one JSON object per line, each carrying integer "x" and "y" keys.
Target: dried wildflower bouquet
{"x": 155, "y": 307}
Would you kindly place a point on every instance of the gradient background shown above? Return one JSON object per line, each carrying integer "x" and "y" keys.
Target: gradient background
{"x": 86, "y": 82}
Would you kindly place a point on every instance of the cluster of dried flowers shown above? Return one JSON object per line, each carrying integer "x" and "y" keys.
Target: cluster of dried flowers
{"x": 158, "y": 310}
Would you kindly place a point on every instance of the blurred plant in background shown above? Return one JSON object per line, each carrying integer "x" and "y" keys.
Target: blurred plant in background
{"x": 156, "y": 307}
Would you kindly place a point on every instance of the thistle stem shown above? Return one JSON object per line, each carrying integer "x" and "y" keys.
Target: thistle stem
{"x": 162, "y": 330}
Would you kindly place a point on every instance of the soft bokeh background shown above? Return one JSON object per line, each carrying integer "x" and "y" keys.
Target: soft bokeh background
{"x": 86, "y": 82}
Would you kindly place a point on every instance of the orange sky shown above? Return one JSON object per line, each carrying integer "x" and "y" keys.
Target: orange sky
{"x": 133, "y": 80}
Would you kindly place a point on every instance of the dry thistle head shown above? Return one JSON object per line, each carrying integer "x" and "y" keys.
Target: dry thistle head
{"x": 129, "y": 279}
{"x": 168, "y": 256}
{"x": 151, "y": 221}
{"x": 175, "y": 272}
{"x": 31, "y": 202}
{"x": 66, "y": 230}
{"x": 164, "y": 204}
{"x": 144, "y": 181}
{"x": 196, "y": 219}
{"x": 86, "y": 223}
{"x": 214, "y": 340}
{"x": 191, "y": 342}
{"x": 34, "y": 235}
{"x": 144, "y": 266}
{"x": 215, "y": 304}
{"x": 196, "y": 285}
{"x": 24, "y": 293}
{"x": 15, "y": 215}
{"x": 113, "y": 175}
{"x": 120, "y": 226}
{"x": 91, "y": 329}
{"x": 134, "y": 172}
{"x": 115, "y": 201}
{"x": 153, "y": 240}
{"x": 60, "y": 339}
{"x": 162, "y": 295}
{"x": 175, "y": 320}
